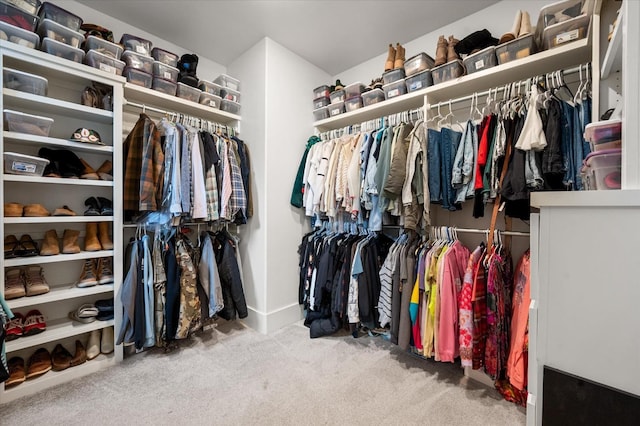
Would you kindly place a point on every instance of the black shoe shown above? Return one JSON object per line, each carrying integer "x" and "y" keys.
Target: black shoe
{"x": 68, "y": 163}
{"x": 106, "y": 206}
{"x": 93, "y": 207}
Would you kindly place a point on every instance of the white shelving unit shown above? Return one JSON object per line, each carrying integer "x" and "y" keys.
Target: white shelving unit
{"x": 66, "y": 80}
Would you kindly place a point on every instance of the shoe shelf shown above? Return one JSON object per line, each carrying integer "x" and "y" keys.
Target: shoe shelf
{"x": 53, "y": 378}
{"x": 39, "y": 260}
{"x": 56, "y": 330}
{"x": 56, "y": 181}
{"x": 57, "y": 219}
{"x": 613, "y": 57}
{"x": 26, "y": 139}
{"x": 58, "y": 294}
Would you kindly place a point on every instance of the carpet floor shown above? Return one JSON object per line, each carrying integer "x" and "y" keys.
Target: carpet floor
{"x": 232, "y": 375}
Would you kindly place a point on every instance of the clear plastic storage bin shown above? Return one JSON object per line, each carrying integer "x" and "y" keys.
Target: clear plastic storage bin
{"x": 19, "y": 36}
{"x": 165, "y": 56}
{"x": 59, "y": 15}
{"x": 210, "y": 100}
{"x": 229, "y": 94}
{"x": 394, "y": 89}
{"x": 17, "y": 17}
{"x": 62, "y": 50}
{"x": 58, "y": 32}
{"x": 29, "y": 6}
{"x": 321, "y": 102}
{"x": 24, "y": 82}
{"x": 564, "y": 32}
{"x": 418, "y": 63}
{"x": 353, "y": 104}
{"x": 448, "y": 71}
{"x": 321, "y": 91}
{"x": 138, "y": 77}
{"x": 138, "y": 61}
{"x": 336, "y": 109}
{"x": 337, "y": 96}
{"x": 103, "y": 62}
{"x": 354, "y": 89}
{"x": 209, "y": 87}
{"x": 165, "y": 71}
{"x": 516, "y": 49}
{"x": 419, "y": 81}
{"x": 19, "y": 122}
{"x": 393, "y": 76}
{"x": 103, "y": 46}
{"x": 486, "y": 58}
{"x": 164, "y": 86}
{"x": 603, "y": 135}
{"x": 372, "y": 96}
{"x": 136, "y": 44}
{"x": 602, "y": 170}
{"x": 27, "y": 165}
{"x": 230, "y": 106}
{"x": 228, "y": 82}
{"x": 321, "y": 113}
{"x": 565, "y": 10}
{"x": 187, "y": 92}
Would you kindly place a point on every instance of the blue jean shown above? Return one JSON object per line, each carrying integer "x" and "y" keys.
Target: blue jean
{"x": 449, "y": 147}
{"x": 581, "y": 148}
{"x": 434, "y": 139}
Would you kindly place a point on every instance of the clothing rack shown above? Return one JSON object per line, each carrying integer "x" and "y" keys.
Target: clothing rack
{"x": 411, "y": 115}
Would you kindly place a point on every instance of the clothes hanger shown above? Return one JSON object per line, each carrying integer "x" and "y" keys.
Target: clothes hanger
{"x": 436, "y": 117}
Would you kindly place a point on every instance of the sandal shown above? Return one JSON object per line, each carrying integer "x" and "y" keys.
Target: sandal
{"x": 11, "y": 246}
{"x": 28, "y": 247}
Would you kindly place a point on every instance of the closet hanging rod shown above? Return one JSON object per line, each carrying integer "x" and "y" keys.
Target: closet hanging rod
{"x": 150, "y": 227}
{"x": 486, "y": 231}
{"x": 144, "y": 107}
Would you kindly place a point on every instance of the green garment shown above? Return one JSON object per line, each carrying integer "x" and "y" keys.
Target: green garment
{"x": 298, "y": 186}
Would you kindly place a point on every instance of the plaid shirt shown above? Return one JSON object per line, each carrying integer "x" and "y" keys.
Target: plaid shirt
{"x": 225, "y": 211}
{"x": 211, "y": 187}
{"x": 238, "y": 201}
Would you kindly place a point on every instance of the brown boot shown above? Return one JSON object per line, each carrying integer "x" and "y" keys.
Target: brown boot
{"x": 105, "y": 171}
{"x": 525, "y": 25}
{"x": 13, "y": 209}
{"x": 103, "y": 235}
{"x": 91, "y": 241}
{"x": 400, "y": 57}
{"x": 80, "y": 357}
{"x": 452, "y": 55}
{"x": 50, "y": 245}
{"x": 35, "y": 210}
{"x": 70, "y": 241}
{"x": 441, "y": 51}
{"x": 391, "y": 57}
{"x": 88, "y": 172}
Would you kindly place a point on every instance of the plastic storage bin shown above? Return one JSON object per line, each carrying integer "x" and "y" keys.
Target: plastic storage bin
{"x": 353, "y": 104}
{"x": 394, "y": 89}
{"x": 165, "y": 71}
{"x": 336, "y": 109}
{"x": 321, "y": 91}
{"x": 373, "y": 96}
{"x": 103, "y": 46}
{"x": 566, "y": 9}
{"x": 62, "y": 50}
{"x": 29, "y": 6}
{"x": 230, "y": 106}
{"x": 164, "y": 86}
{"x": 19, "y": 36}
{"x": 419, "y": 81}
{"x": 231, "y": 95}
{"x": 564, "y": 32}
{"x": 136, "y": 44}
{"x": 24, "y": 82}
{"x": 321, "y": 113}
{"x": 228, "y": 82}
{"x": 209, "y": 87}
{"x": 165, "y": 56}
{"x": 354, "y": 89}
{"x": 138, "y": 61}
{"x": 187, "y": 92}
{"x": 602, "y": 170}
{"x": 418, "y": 63}
{"x": 486, "y": 58}
{"x": 58, "y": 32}
{"x": 321, "y": 102}
{"x": 393, "y": 76}
{"x": 17, "y": 17}
{"x": 59, "y": 15}
{"x": 20, "y": 122}
{"x": 103, "y": 62}
{"x": 138, "y": 77}
{"x": 209, "y": 99}
{"x": 337, "y": 96}
{"x": 603, "y": 135}
{"x": 20, "y": 164}
{"x": 516, "y": 49}
{"x": 448, "y": 71}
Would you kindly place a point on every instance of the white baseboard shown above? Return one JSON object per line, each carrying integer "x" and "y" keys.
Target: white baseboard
{"x": 272, "y": 321}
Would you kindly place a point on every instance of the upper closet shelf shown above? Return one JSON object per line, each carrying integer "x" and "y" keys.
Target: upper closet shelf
{"x": 153, "y": 98}
{"x": 622, "y": 198}
{"x": 58, "y": 181}
{"x": 27, "y": 139}
{"x": 571, "y": 54}
{"x": 613, "y": 57}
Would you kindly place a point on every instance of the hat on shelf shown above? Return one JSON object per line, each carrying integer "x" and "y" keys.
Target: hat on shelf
{"x": 87, "y": 136}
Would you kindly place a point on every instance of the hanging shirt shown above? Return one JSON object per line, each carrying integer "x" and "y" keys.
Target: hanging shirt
{"x": 227, "y": 186}
{"x": 199, "y": 206}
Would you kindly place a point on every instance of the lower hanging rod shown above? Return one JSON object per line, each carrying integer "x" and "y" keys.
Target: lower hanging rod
{"x": 486, "y": 231}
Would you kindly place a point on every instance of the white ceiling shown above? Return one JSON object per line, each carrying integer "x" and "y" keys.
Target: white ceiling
{"x": 334, "y": 35}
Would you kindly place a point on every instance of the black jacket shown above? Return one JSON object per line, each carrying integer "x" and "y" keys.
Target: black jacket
{"x": 232, "y": 289}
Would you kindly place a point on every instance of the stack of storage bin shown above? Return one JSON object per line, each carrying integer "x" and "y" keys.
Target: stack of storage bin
{"x": 322, "y": 99}
{"x": 229, "y": 92}
{"x": 59, "y": 32}
{"x": 18, "y": 21}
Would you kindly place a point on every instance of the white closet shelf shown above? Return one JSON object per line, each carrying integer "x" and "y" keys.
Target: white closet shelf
{"x": 57, "y": 181}
{"x": 57, "y": 219}
{"x": 38, "y": 260}
{"x": 53, "y": 378}
{"x": 571, "y": 54}
{"x": 613, "y": 57}
{"x": 619, "y": 198}
{"x": 14, "y": 99}
{"x": 149, "y": 97}
{"x": 60, "y": 293}
{"x": 27, "y": 139}
{"x": 56, "y": 330}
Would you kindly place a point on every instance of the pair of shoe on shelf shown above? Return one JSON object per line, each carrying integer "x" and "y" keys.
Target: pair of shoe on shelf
{"x": 521, "y": 27}
{"x": 96, "y": 272}
{"x": 25, "y": 325}
{"x": 87, "y": 313}
{"x": 395, "y": 57}
{"x": 25, "y": 247}
{"x": 28, "y": 281}
{"x": 66, "y": 164}
{"x": 98, "y": 206}
{"x": 96, "y": 238}
{"x": 446, "y": 50}
{"x": 34, "y": 210}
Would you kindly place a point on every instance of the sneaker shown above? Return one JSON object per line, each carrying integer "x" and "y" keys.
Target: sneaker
{"x": 104, "y": 271}
{"x": 88, "y": 275}
{"x": 34, "y": 323}
{"x": 14, "y": 284}
{"x": 35, "y": 283}
{"x": 14, "y": 327}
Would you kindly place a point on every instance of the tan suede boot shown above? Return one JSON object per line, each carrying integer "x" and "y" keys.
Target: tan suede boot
{"x": 35, "y": 210}
{"x": 105, "y": 171}
{"x": 91, "y": 241}
{"x": 103, "y": 235}
{"x": 441, "y": 51}
{"x": 70, "y": 241}
{"x": 391, "y": 57}
{"x": 50, "y": 245}
{"x": 13, "y": 209}
{"x": 88, "y": 172}
{"x": 515, "y": 30}
{"x": 525, "y": 24}
{"x": 452, "y": 55}
{"x": 400, "y": 57}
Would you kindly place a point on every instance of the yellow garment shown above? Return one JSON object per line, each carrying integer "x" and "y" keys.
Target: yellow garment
{"x": 431, "y": 284}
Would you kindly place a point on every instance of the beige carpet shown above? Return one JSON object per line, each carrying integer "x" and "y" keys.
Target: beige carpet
{"x": 236, "y": 376}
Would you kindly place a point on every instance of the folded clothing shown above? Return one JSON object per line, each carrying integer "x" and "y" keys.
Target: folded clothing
{"x": 105, "y": 309}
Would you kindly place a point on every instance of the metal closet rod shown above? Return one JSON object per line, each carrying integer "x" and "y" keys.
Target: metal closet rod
{"x": 373, "y": 123}
{"x": 152, "y": 227}
{"x": 144, "y": 107}
{"x": 486, "y": 231}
